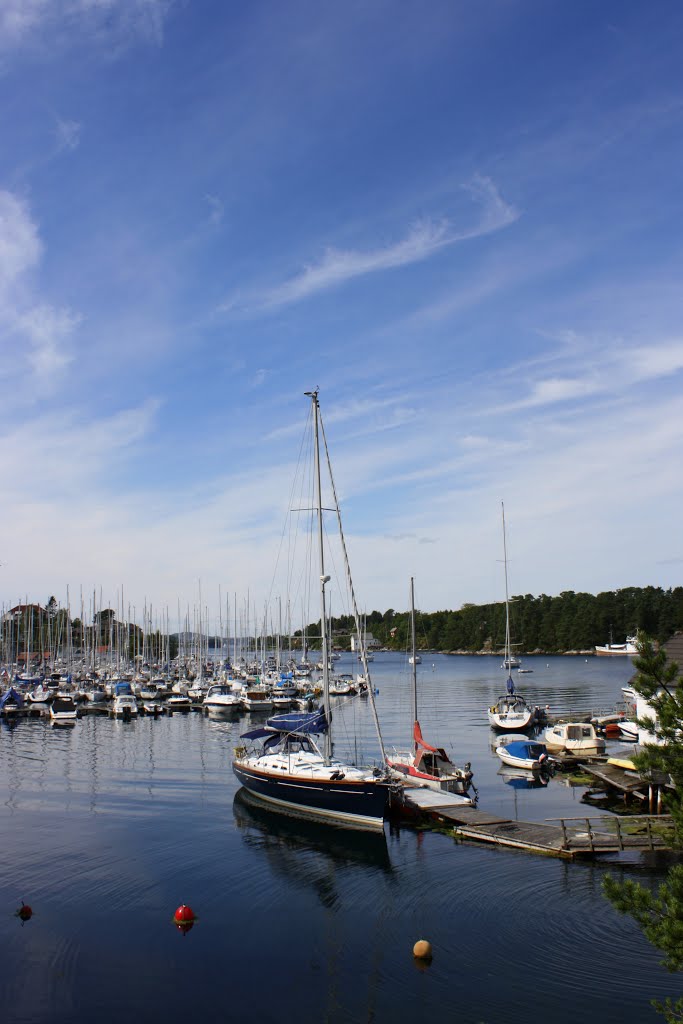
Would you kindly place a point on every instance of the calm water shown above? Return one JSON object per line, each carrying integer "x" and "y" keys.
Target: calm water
{"x": 108, "y": 826}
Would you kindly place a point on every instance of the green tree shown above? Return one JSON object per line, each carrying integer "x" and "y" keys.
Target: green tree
{"x": 659, "y": 913}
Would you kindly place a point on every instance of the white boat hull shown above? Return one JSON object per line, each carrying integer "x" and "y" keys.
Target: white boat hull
{"x": 518, "y": 762}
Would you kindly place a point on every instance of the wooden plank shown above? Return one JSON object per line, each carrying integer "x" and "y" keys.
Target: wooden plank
{"x": 620, "y": 778}
{"x": 459, "y": 815}
{"x": 428, "y": 799}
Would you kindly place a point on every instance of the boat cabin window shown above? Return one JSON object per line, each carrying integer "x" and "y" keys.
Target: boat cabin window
{"x": 430, "y": 763}
{"x": 573, "y": 732}
{"x": 297, "y": 745}
{"x": 587, "y": 731}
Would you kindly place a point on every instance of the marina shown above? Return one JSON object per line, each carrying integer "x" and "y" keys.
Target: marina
{"x": 108, "y": 825}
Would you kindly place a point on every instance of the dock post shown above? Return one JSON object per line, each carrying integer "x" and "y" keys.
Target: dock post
{"x": 649, "y": 834}
{"x": 564, "y": 834}
{"x": 590, "y": 834}
{"x": 619, "y": 839}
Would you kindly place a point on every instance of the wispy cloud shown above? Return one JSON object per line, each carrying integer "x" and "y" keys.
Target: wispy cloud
{"x": 42, "y": 327}
{"x": 68, "y": 134}
{"x": 422, "y": 240}
{"x": 20, "y": 246}
{"x": 47, "y": 328}
{"x": 373, "y": 413}
{"x": 216, "y": 209}
{"x": 24, "y": 21}
{"x": 610, "y": 367}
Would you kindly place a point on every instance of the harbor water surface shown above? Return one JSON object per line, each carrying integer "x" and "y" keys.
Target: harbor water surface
{"x": 107, "y": 826}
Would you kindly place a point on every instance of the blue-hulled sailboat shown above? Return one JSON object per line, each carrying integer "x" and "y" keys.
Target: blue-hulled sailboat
{"x": 283, "y": 763}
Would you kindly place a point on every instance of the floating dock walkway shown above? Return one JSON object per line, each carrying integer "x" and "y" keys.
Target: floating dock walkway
{"x": 558, "y": 837}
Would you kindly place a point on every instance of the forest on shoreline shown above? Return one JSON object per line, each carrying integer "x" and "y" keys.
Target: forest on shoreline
{"x": 549, "y": 625}
{"x": 568, "y": 623}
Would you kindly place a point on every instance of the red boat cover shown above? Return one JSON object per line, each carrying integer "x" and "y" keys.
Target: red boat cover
{"x": 417, "y": 735}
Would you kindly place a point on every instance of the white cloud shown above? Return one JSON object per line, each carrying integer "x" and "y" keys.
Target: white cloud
{"x": 46, "y": 328}
{"x": 216, "y": 209}
{"x": 20, "y": 247}
{"x": 652, "y": 361}
{"x": 68, "y": 134}
{"x": 558, "y": 389}
{"x": 42, "y": 326}
{"x": 423, "y": 239}
{"x": 18, "y": 17}
{"x": 59, "y": 22}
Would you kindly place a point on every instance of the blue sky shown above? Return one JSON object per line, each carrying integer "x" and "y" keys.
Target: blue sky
{"x": 461, "y": 221}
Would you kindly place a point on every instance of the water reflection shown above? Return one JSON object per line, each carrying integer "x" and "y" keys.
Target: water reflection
{"x": 284, "y": 837}
{"x": 523, "y": 778}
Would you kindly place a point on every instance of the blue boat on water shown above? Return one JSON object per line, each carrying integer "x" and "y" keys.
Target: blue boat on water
{"x": 523, "y": 753}
{"x": 288, "y": 769}
{"x": 11, "y": 701}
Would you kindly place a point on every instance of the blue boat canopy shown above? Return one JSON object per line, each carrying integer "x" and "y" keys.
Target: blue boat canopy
{"x": 309, "y": 721}
{"x": 256, "y": 734}
{"x": 11, "y": 697}
{"x": 526, "y": 749}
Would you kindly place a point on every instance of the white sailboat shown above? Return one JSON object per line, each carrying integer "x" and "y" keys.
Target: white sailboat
{"x": 510, "y": 711}
{"x": 288, "y": 768}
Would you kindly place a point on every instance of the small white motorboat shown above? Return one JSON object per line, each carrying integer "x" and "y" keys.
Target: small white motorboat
{"x": 63, "y": 708}
{"x": 41, "y": 694}
{"x": 255, "y": 698}
{"x": 628, "y": 730}
{"x": 221, "y": 697}
{"x": 342, "y": 686}
{"x": 153, "y": 707}
{"x": 574, "y": 738}
{"x": 178, "y": 702}
{"x": 125, "y": 706}
{"x": 523, "y": 753}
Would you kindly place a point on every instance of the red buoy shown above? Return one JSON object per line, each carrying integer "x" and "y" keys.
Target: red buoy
{"x": 24, "y": 912}
{"x": 184, "y": 918}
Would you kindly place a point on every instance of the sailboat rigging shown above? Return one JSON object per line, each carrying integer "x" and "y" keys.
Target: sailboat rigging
{"x": 426, "y": 765}
{"x": 283, "y": 764}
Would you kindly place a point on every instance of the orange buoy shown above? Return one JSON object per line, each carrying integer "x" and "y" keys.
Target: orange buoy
{"x": 24, "y": 913}
{"x": 184, "y": 918}
{"x": 422, "y": 950}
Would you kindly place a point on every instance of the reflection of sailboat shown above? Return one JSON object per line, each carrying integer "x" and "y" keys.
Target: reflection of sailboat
{"x": 288, "y": 769}
{"x": 286, "y": 836}
{"x": 521, "y": 778}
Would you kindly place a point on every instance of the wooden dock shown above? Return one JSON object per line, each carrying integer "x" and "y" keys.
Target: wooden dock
{"x": 557, "y": 837}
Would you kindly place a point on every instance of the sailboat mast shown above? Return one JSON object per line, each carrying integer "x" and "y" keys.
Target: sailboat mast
{"x": 323, "y": 578}
{"x": 360, "y": 627}
{"x": 412, "y": 642}
{"x": 508, "y": 649}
